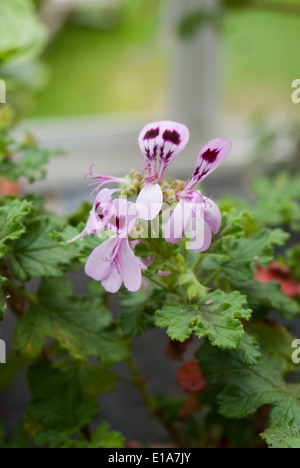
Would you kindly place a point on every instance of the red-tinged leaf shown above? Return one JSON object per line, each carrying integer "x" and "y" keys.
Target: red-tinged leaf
{"x": 191, "y": 406}
{"x": 190, "y": 378}
{"x": 278, "y": 272}
{"x": 175, "y": 349}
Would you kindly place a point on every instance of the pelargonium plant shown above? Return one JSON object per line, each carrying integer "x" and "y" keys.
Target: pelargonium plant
{"x": 221, "y": 279}
{"x": 113, "y": 262}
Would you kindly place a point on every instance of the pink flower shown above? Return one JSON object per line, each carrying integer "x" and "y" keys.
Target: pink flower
{"x": 99, "y": 215}
{"x": 200, "y": 214}
{"x": 160, "y": 142}
{"x": 113, "y": 262}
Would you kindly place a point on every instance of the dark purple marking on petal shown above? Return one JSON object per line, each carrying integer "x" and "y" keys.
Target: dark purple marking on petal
{"x": 118, "y": 221}
{"x": 172, "y": 136}
{"x": 168, "y": 155}
{"x": 101, "y": 213}
{"x": 150, "y": 134}
{"x": 211, "y": 155}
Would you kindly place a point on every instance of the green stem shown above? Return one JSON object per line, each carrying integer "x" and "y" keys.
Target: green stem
{"x": 30, "y": 297}
{"x": 212, "y": 276}
{"x": 164, "y": 287}
{"x": 158, "y": 283}
{"x": 152, "y": 405}
{"x": 195, "y": 266}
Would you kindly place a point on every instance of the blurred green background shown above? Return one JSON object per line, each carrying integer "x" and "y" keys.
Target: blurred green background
{"x": 118, "y": 59}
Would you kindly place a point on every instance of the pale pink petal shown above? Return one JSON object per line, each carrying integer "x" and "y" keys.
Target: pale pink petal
{"x": 98, "y": 215}
{"x": 207, "y": 238}
{"x": 209, "y": 158}
{"x": 161, "y": 142}
{"x": 178, "y": 222}
{"x": 130, "y": 267}
{"x": 212, "y": 215}
{"x": 149, "y": 202}
{"x": 164, "y": 273}
{"x": 196, "y": 231}
{"x": 98, "y": 265}
{"x": 122, "y": 217}
{"x": 113, "y": 281}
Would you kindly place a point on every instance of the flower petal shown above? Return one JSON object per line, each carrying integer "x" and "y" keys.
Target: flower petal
{"x": 98, "y": 215}
{"x": 212, "y": 215}
{"x": 122, "y": 217}
{"x": 178, "y": 222}
{"x": 98, "y": 265}
{"x": 149, "y": 202}
{"x": 130, "y": 267}
{"x": 113, "y": 281}
{"x": 209, "y": 158}
{"x": 161, "y": 142}
{"x": 207, "y": 238}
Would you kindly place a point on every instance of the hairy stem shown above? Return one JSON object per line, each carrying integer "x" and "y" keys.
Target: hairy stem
{"x": 195, "y": 266}
{"x": 212, "y": 277}
{"x": 29, "y": 297}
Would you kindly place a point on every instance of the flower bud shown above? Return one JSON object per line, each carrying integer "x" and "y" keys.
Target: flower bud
{"x": 136, "y": 232}
{"x": 129, "y": 191}
{"x": 177, "y": 185}
{"x": 136, "y": 176}
{"x": 170, "y": 196}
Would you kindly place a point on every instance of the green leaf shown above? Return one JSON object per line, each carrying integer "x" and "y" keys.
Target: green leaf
{"x": 83, "y": 246}
{"x": 285, "y": 434}
{"x": 38, "y": 254}
{"x": 271, "y": 208}
{"x": 234, "y": 223}
{"x": 278, "y": 341}
{"x": 92, "y": 379}
{"x": 138, "y": 310}
{"x": 101, "y": 438}
{"x": 58, "y": 409}
{"x": 243, "y": 388}
{"x": 245, "y": 253}
{"x": 22, "y": 35}
{"x": 216, "y": 316}
{"x": 267, "y": 297}
{"x": 250, "y": 349}
{"x": 95, "y": 380}
{"x": 9, "y": 372}
{"x": 30, "y": 164}
{"x": 3, "y": 282}
{"x": 162, "y": 252}
{"x": 12, "y": 215}
{"x": 81, "y": 324}
{"x": 19, "y": 440}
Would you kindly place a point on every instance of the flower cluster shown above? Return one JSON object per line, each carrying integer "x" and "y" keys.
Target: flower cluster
{"x": 113, "y": 262}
